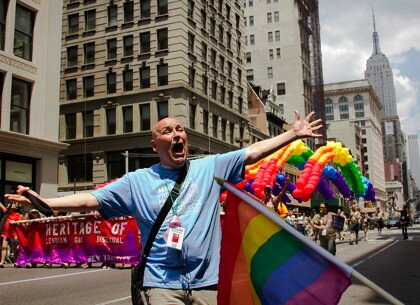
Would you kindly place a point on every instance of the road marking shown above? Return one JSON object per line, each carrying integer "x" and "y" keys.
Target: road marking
{"x": 115, "y": 301}
{"x": 50, "y": 277}
{"x": 376, "y": 253}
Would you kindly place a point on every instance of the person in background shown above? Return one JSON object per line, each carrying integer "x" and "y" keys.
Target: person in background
{"x": 365, "y": 224}
{"x": 354, "y": 224}
{"x": 324, "y": 225}
{"x": 9, "y": 233}
{"x": 379, "y": 219}
{"x": 404, "y": 219}
{"x": 188, "y": 275}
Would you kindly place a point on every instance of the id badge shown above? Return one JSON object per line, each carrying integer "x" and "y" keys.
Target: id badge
{"x": 175, "y": 237}
{"x": 324, "y": 232}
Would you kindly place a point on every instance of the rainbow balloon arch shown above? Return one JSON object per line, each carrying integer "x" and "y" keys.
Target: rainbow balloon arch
{"x": 315, "y": 173}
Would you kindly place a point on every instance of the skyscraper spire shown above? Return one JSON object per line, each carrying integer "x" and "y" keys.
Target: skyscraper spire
{"x": 376, "y": 47}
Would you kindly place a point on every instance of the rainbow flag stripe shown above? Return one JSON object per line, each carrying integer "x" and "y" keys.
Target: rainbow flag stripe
{"x": 263, "y": 264}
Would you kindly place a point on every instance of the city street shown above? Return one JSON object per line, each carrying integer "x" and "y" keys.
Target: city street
{"x": 387, "y": 260}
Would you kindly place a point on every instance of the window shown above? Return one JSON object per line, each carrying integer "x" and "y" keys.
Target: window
{"x": 229, "y": 69}
{"x": 79, "y": 168}
{"x": 112, "y": 15}
{"x": 222, "y": 94}
{"x": 248, "y": 57}
{"x": 328, "y": 101}
{"x": 111, "y": 82}
{"x": 203, "y": 19}
{"x": 205, "y": 122}
{"x": 111, "y": 46}
{"x": 358, "y": 98}
{"x": 238, "y": 20}
{"x": 191, "y": 76}
{"x": 162, "y": 39}
{"x": 232, "y": 132}
{"x": 191, "y": 9}
{"x": 250, "y": 75}
{"x": 145, "y": 77}
{"x": 73, "y": 24}
{"x": 162, "y": 8}
{"x": 240, "y": 104}
{"x": 90, "y": 20}
{"x": 251, "y": 20}
{"x": 145, "y": 42}
{"x": 344, "y": 116}
{"x": 281, "y": 89}
{"x": 270, "y": 36}
{"x": 359, "y": 106}
{"x": 221, "y": 33}
{"x": 127, "y": 119}
{"x": 269, "y": 17}
{"x": 162, "y": 74}
{"x": 228, "y": 40}
{"x": 252, "y": 39}
{"x": 329, "y": 109}
{"x": 204, "y": 52}
{"x": 144, "y": 9}
{"x": 88, "y": 86}
{"x": 360, "y": 114}
{"x": 128, "y": 80}
{"x": 70, "y": 126}
{"x": 329, "y": 117}
{"x": 87, "y": 123}
{"x": 20, "y": 105}
{"x": 213, "y": 57}
{"x": 251, "y": 3}
{"x": 128, "y": 45}
{"x": 71, "y": 89}
{"x": 162, "y": 108}
{"x": 270, "y": 54}
{"x": 222, "y": 64}
{"x": 213, "y": 89}
{"x": 343, "y": 99}
{"x": 204, "y": 84}
{"x": 193, "y": 110}
{"x": 89, "y": 51}
{"x": 239, "y": 72}
{"x": 276, "y": 16}
{"x": 215, "y": 123}
{"x": 111, "y": 124}
{"x": 144, "y": 116}
{"x": 23, "y": 40}
{"x": 230, "y": 99}
{"x": 343, "y": 108}
{"x": 223, "y": 129}
{"x": 115, "y": 165}
{"x": 128, "y": 11}
{"x": 278, "y": 52}
{"x": 277, "y": 34}
{"x": 212, "y": 27}
{"x": 191, "y": 39}
{"x": 72, "y": 56}
{"x": 227, "y": 12}
{"x": 270, "y": 72}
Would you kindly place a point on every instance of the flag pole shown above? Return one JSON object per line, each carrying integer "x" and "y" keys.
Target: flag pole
{"x": 252, "y": 201}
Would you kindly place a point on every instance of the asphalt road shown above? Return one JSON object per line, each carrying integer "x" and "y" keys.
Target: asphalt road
{"x": 387, "y": 260}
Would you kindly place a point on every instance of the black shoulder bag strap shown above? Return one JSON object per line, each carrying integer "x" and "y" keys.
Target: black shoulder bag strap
{"x": 137, "y": 273}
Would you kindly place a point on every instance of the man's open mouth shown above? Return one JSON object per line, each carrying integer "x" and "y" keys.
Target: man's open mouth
{"x": 178, "y": 148}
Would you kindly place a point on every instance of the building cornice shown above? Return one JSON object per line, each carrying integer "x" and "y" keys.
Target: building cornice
{"x": 21, "y": 143}
{"x": 18, "y": 64}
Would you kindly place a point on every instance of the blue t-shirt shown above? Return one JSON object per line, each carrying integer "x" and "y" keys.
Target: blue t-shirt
{"x": 142, "y": 194}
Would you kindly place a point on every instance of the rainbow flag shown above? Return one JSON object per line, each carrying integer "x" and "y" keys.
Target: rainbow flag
{"x": 261, "y": 263}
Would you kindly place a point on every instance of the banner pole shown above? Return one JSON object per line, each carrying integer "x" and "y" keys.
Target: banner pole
{"x": 251, "y": 200}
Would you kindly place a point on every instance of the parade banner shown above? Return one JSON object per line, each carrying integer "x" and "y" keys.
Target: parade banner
{"x": 79, "y": 240}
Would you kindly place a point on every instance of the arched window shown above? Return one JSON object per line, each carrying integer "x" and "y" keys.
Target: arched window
{"x": 328, "y": 101}
{"x": 343, "y": 99}
{"x": 358, "y": 98}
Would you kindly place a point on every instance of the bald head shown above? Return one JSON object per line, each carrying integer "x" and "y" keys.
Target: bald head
{"x": 163, "y": 123}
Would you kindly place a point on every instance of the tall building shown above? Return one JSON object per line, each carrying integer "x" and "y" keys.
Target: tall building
{"x": 127, "y": 64}
{"x": 283, "y": 54}
{"x": 414, "y": 157}
{"x": 379, "y": 73}
{"x": 356, "y": 103}
{"x": 30, "y": 39}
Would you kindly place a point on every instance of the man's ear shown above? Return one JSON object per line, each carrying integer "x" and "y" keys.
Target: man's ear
{"x": 153, "y": 143}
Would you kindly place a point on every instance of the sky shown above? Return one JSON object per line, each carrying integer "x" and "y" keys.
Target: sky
{"x": 346, "y": 43}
